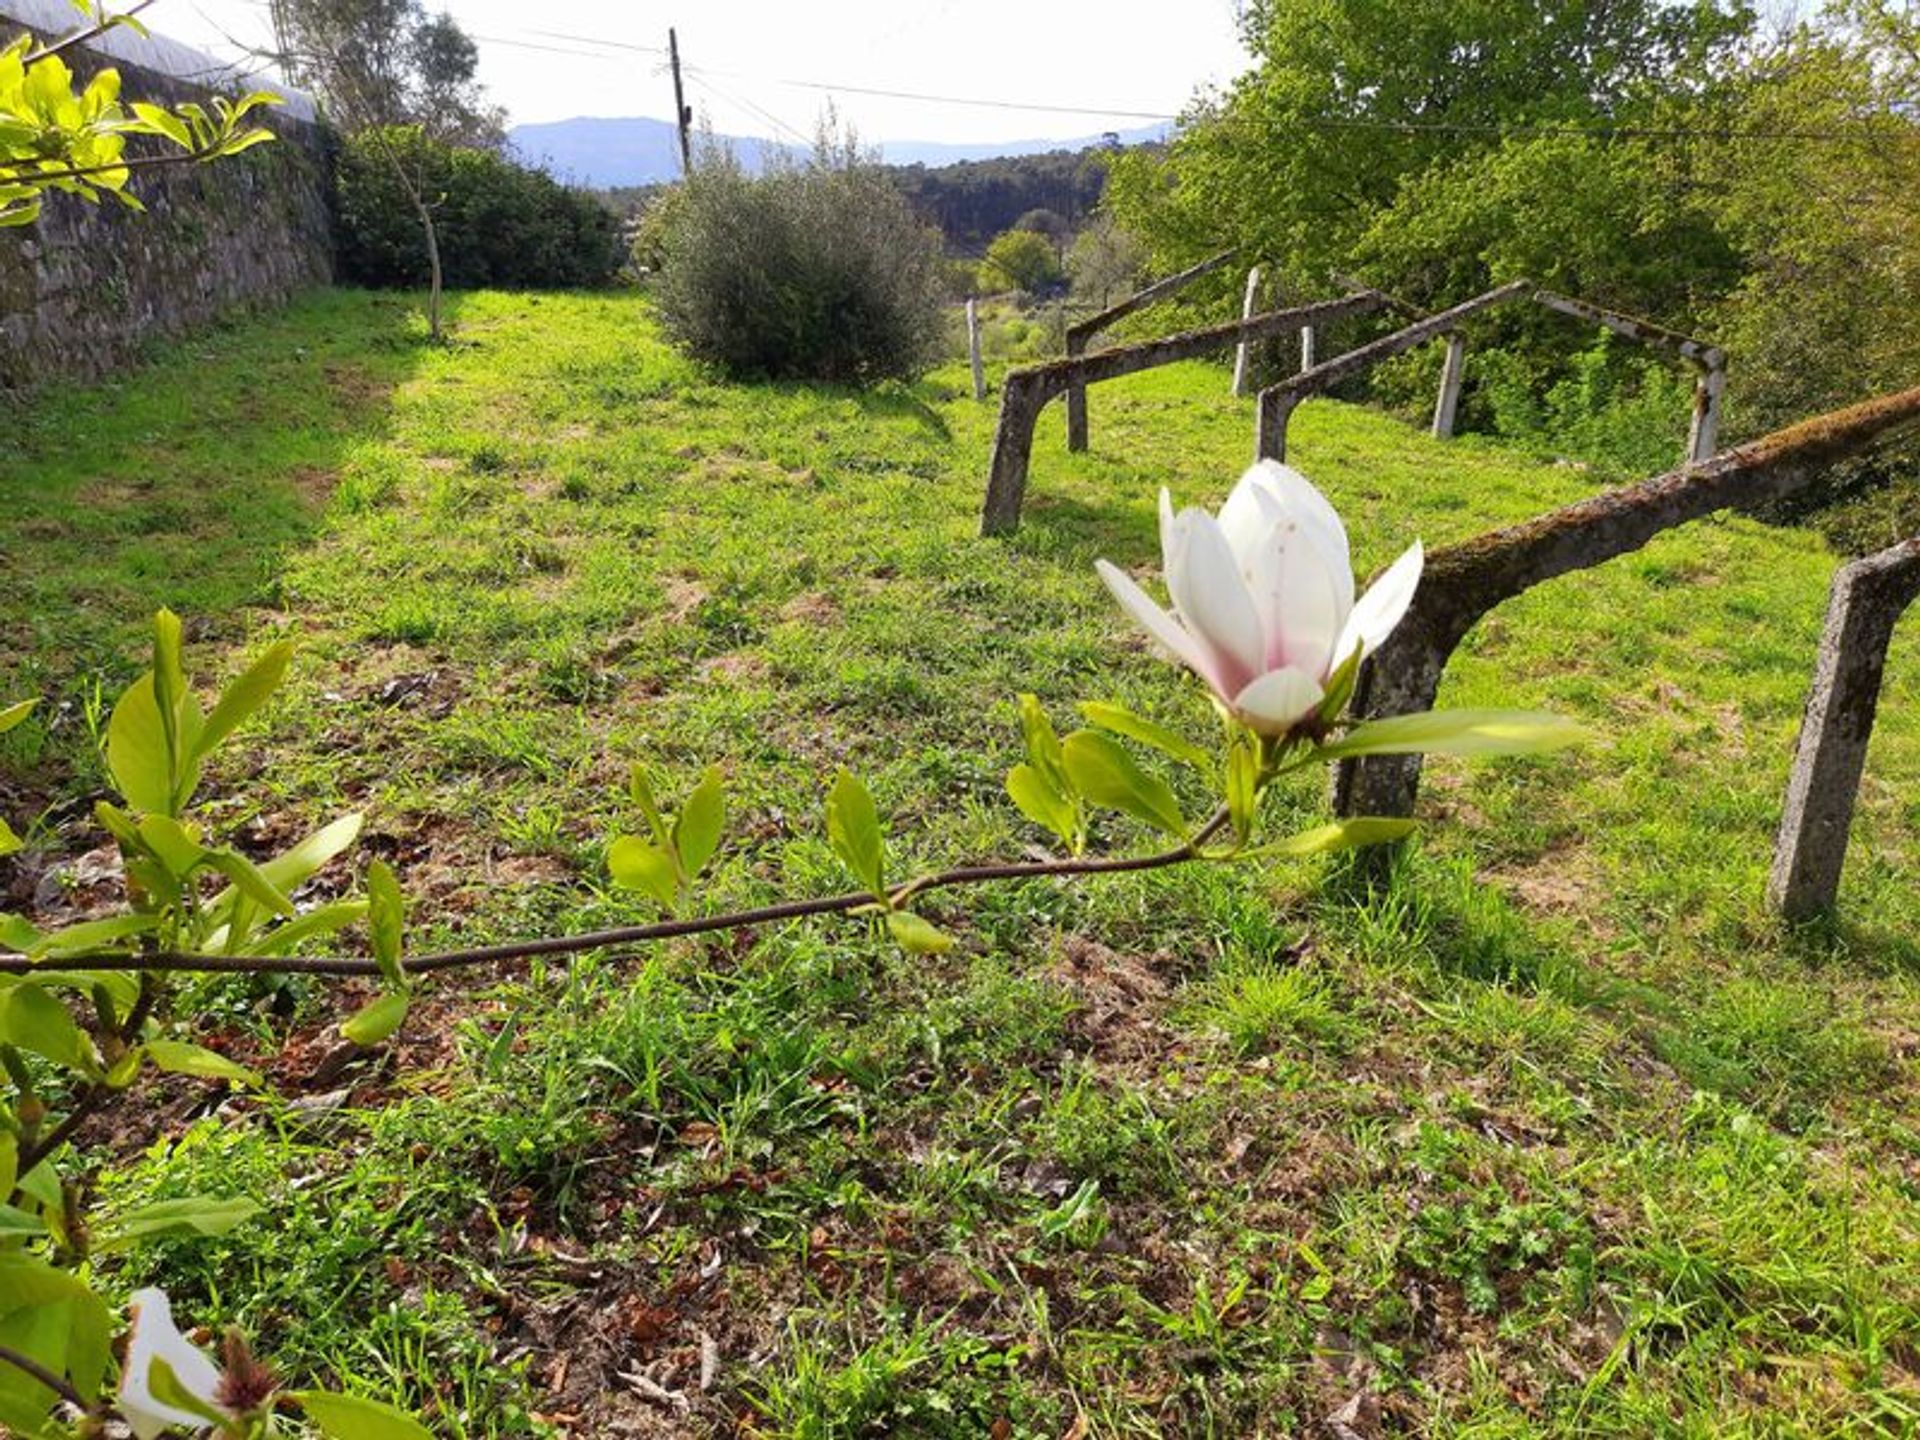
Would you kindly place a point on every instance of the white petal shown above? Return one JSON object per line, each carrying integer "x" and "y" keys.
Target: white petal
{"x": 1167, "y": 529}
{"x": 1157, "y": 623}
{"x": 1281, "y": 488}
{"x": 1210, "y": 596}
{"x": 1382, "y": 607}
{"x": 155, "y": 1337}
{"x": 1298, "y": 600}
{"x": 1278, "y": 700}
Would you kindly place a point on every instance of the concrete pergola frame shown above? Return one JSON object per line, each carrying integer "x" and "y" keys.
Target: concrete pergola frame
{"x": 1079, "y": 333}
{"x": 1277, "y": 402}
{"x": 1463, "y": 583}
{"x": 1865, "y": 604}
{"x": 1025, "y": 392}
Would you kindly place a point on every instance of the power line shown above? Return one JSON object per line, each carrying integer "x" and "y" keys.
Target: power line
{"x": 1109, "y": 113}
{"x": 746, "y": 104}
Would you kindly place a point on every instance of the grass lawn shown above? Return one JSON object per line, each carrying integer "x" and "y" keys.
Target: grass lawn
{"x": 1557, "y": 1134}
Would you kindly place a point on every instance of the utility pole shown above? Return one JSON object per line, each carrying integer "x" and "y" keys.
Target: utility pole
{"x": 683, "y": 115}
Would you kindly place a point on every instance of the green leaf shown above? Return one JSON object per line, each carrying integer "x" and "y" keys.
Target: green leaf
{"x": 192, "y": 1215}
{"x": 853, "y": 829}
{"x": 35, "y": 1021}
{"x": 377, "y": 1020}
{"x": 642, "y": 793}
{"x": 169, "y": 684}
{"x": 1043, "y": 744}
{"x": 137, "y": 755}
{"x": 321, "y": 920}
{"x": 386, "y": 921}
{"x": 917, "y": 936}
{"x": 696, "y": 834}
{"x": 18, "y": 934}
{"x": 1342, "y": 835}
{"x": 176, "y": 1057}
{"x": 9, "y": 842}
{"x": 168, "y": 1390}
{"x": 292, "y": 869}
{"x": 248, "y": 880}
{"x": 1243, "y": 786}
{"x": 154, "y": 120}
{"x": 17, "y": 1224}
{"x": 637, "y": 865}
{"x": 1457, "y": 732}
{"x": 92, "y": 935}
{"x": 248, "y": 692}
{"x": 167, "y": 840}
{"x": 12, "y": 715}
{"x": 1122, "y": 721}
{"x": 1040, "y": 802}
{"x": 1339, "y": 688}
{"x": 352, "y": 1417}
{"x": 1107, "y": 775}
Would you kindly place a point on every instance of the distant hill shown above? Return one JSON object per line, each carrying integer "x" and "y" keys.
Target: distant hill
{"x": 603, "y": 153}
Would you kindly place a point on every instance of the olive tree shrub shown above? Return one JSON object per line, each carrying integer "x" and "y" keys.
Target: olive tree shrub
{"x": 816, "y": 270}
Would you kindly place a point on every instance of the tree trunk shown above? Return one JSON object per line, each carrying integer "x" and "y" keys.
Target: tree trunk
{"x": 433, "y": 268}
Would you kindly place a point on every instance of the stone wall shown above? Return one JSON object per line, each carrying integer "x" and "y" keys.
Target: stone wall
{"x": 87, "y": 289}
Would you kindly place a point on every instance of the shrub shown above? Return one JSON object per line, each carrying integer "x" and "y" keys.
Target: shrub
{"x": 500, "y": 224}
{"x": 816, "y": 270}
{"x": 1024, "y": 260}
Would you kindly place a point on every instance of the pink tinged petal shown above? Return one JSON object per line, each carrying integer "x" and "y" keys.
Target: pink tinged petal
{"x": 1160, "y": 625}
{"x": 1382, "y": 607}
{"x": 1210, "y": 596}
{"x": 155, "y": 1337}
{"x": 1287, "y": 490}
{"x": 1278, "y": 700}
{"x": 1299, "y": 602}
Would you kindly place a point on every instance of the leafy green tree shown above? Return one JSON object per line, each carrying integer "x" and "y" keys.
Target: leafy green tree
{"x": 1023, "y": 260}
{"x": 1106, "y": 261}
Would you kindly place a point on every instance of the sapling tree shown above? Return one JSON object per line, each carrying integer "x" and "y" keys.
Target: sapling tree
{"x": 384, "y": 67}
{"x": 1264, "y": 613}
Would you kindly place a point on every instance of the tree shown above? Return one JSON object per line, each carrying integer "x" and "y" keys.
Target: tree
{"x": 1106, "y": 261}
{"x": 383, "y": 67}
{"x": 1024, "y": 260}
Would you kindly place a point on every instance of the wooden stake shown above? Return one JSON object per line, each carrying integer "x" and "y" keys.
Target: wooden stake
{"x": 973, "y": 350}
{"x": 1247, "y": 312}
{"x": 1451, "y": 373}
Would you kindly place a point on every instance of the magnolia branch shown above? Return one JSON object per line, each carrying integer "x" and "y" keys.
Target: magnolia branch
{"x": 348, "y": 965}
{"x": 27, "y": 1365}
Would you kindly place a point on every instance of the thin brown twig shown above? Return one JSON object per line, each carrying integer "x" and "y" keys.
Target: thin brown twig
{"x": 29, "y": 1366}
{"x": 341, "y": 965}
{"x": 80, "y": 37}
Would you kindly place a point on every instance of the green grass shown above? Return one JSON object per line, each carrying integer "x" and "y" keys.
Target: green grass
{"x": 1558, "y": 1133}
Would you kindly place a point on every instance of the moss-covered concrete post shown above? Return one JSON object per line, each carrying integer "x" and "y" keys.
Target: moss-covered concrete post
{"x": 1868, "y": 598}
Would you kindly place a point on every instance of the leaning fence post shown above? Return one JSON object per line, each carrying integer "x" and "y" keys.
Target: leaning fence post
{"x": 1247, "y": 311}
{"x": 1868, "y": 598}
{"x": 973, "y": 350}
{"x": 1020, "y": 402}
{"x": 1076, "y": 397}
{"x": 1707, "y": 392}
{"x": 1448, "y": 403}
{"x": 1271, "y": 414}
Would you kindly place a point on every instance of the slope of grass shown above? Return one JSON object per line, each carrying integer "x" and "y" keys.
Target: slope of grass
{"x": 1558, "y": 1133}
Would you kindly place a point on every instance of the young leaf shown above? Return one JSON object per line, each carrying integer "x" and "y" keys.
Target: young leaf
{"x": 249, "y": 881}
{"x": 9, "y": 842}
{"x": 193, "y": 1215}
{"x": 639, "y": 866}
{"x": 321, "y": 920}
{"x": 169, "y": 683}
{"x": 1041, "y": 803}
{"x": 1457, "y": 732}
{"x": 352, "y": 1417}
{"x": 375, "y": 1021}
{"x": 176, "y": 1057}
{"x": 91, "y": 935}
{"x": 696, "y": 834}
{"x": 1243, "y": 787}
{"x": 642, "y": 793}
{"x": 137, "y": 753}
{"x": 1122, "y": 721}
{"x": 1107, "y": 775}
{"x": 853, "y": 828}
{"x": 12, "y": 715}
{"x": 1342, "y": 835}
{"x": 386, "y": 922}
{"x": 917, "y": 936}
{"x": 36, "y": 1022}
{"x": 1043, "y": 744}
{"x": 248, "y": 692}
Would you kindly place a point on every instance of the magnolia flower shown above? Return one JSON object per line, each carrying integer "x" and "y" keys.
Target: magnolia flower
{"x": 154, "y": 1337}
{"x": 1263, "y": 603}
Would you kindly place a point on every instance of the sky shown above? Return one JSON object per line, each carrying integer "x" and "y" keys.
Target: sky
{"x": 566, "y": 58}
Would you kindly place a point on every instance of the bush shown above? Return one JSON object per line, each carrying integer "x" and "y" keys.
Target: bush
{"x": 499, "y": 224}
{"x": 816, "y": 270}
{"x": 1024, "y": 260}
